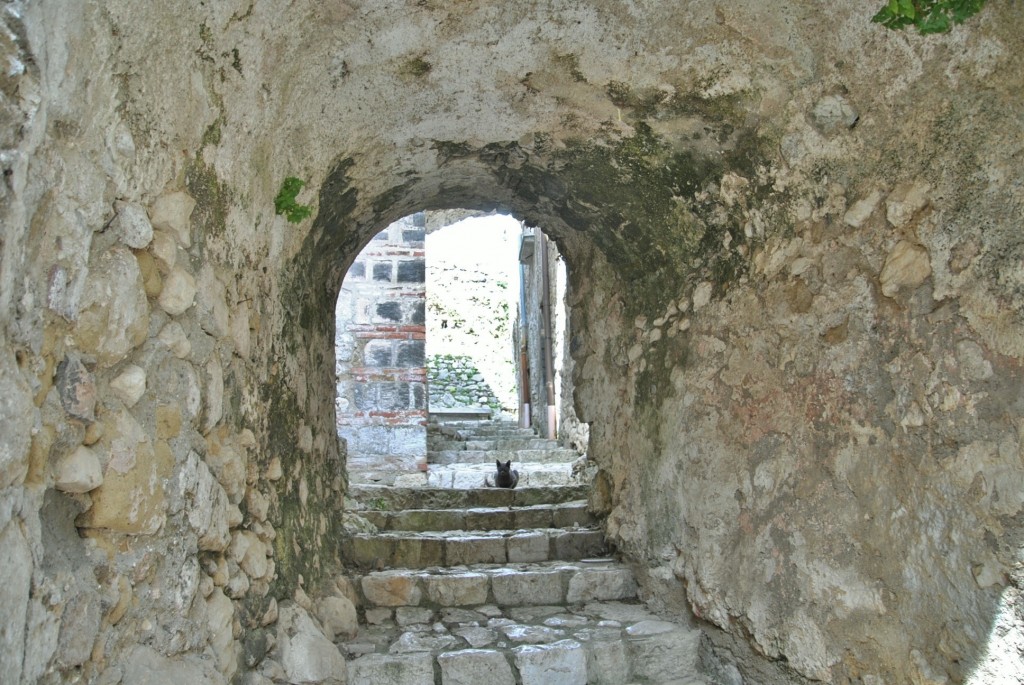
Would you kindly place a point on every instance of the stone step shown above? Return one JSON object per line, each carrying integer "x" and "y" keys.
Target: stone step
{"x": 511, "y": 585}
{"x": 531, "y": 475}
{"x": 386, "y": 498}
{"x": 553, "y": 456}
{"x": 503, "y": 444}
{"x": 454, "y": 548}
{"x": 483, "y": 518}
{"x": 511, "y": 444}
{"x": 606, "y": 643}
{"x": 483, "y": 431}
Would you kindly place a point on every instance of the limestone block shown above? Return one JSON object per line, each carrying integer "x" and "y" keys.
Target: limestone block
{"x": 571, "y": 515}
{"x": 131, "y": 498}
{"x": 521, "y": 588}
{"x": 602, "y": 584}
{"x": 391, "y": 589}
{"x": 459, "y": 589}
{"x": 42, "y": 639}
{"x": 391, "y": 669}
{"x": 250, "y": 552}
{"x": 661, "y": 651}
{"x": 173, "y": 336}
{"x": 527, "y": 547}
{"x": 475, "y": 666}
{"x": 145, "y": 666}
{"x": 417, "y": 641}
{"x": 376, "y": 617}
{"x": 834, "y": 112}
{"x": 240, "y": 333}
{"x": 238, "y": 583}
{"x": 211, "y": 303}
{"x": 972, "y": 361}
{"x": 257, "y": 504}
{"x": 607, "y": 662}
{"x": 271, "y": 614}
{"x": 79, "y": 471}
{"x": 208, "y": 504}
{"x": 579, "y": 544}
{"x": 407, "y": 616}
{"x": 540, "y": 517}
{"x": 19, "y": 415}
{"x": 477, "y": 519}
{"x": 164, "y": 250}
{"x": 114, "y": 315}
{"x": 220, "y": 618}
{"x": 862, "y": 209}
{"x": 179, "y": 292}
{"x": 130, "y": 385}
{"x": 16, "y": 572}
{"x": 477, "y": 636}
{"x": 907, "y": 266}
{"x": 77, "y": 388}
{"x": 533, "y": 635}
{"x": 702, "y": 295}
{"x": 906, "y": 200}
{"x": 274, "y": 470}
{"x": 214, "y": 394}
{"x": 338, "y": 617}
{"x": 131, "y": 225}
{"x": 172, "y": 212}
{"x": 306, "y": 655}
{"x": 228, "y": 461}
{"x": 563, "y": 662}
{"x": 475, "y": 550}
{"x": 152, "y": 281}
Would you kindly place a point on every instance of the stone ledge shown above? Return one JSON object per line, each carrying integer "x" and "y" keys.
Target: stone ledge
{"x": 387, "y": 498}
{"x": 454, "y": 548}
{"x": 565, "y": 515}
{"x": 511, "y": 585}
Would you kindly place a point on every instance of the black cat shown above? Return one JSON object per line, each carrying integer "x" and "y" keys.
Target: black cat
{"x": 506, "y": 476}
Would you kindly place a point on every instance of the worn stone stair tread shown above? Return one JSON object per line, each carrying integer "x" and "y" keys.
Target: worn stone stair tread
{"x": 509, "y": 585}
{"x": 516, "y": 456}
{"x": 560, "y": 515}
{"x": 531, "y": 474}
{"x": 404, "y": 549}
{"x": 539, "y": 643}
{"x": 394, "y": 498}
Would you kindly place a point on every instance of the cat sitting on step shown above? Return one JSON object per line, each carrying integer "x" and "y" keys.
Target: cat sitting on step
{"x": 506, "y": 476}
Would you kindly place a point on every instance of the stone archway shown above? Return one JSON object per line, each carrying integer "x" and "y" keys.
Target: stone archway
{"x": 794, "y": 249}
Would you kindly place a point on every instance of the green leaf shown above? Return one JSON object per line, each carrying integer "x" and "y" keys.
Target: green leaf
{"x": 285, "y": 202}
{"x": 936, "y": 22}
{"x": 907, "y": 8}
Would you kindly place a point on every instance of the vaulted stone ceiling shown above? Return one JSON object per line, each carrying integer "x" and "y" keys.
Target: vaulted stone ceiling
{"x": 795, "y": 245}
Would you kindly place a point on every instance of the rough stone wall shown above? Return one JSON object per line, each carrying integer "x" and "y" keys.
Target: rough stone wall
{"x": 471, "y": 276}
{"x": 794, "y": 244}
{"x": 455, "y": 381}
{"x": 380, "y": 324}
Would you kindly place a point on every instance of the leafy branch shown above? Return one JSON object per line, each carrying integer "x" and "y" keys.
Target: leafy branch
{"x": 929, "y": 16}
{"x": 285, "y": 202}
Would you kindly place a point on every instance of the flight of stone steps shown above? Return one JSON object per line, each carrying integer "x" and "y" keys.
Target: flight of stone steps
{"x": 461, "y": 454}
{"x": 500, "y": 587}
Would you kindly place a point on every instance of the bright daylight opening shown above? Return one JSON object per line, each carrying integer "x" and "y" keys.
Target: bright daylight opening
{"x": 451, "y": 355}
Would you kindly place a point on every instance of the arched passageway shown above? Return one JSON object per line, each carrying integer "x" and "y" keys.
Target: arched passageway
{"x": 794, "y": 257}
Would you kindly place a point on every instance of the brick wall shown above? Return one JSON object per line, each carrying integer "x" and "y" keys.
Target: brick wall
{"x": 382, "y": 390}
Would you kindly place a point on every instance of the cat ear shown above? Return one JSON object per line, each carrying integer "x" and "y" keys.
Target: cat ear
{"x": 498, "y": 463}
{"x": 508, "y": 464}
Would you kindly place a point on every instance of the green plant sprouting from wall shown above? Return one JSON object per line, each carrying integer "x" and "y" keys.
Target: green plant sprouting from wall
{"x": 929, "y": 16}
{"x": 285, "y": 202}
